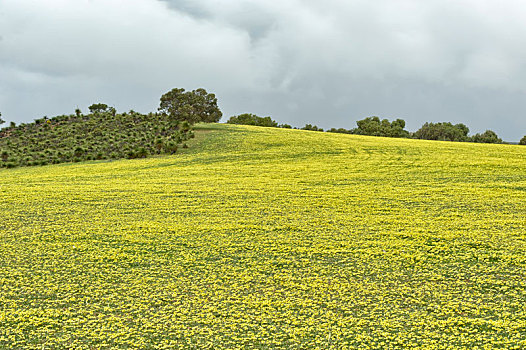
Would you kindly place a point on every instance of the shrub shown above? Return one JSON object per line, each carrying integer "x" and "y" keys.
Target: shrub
{"x": 311, "y": 127}
{"x": 373, "y": 126}
{"x": 443, "y": 131}
{"x": 340, "y": 131}
{"x": 141, "y": 152}
{"x": 487, "y": 137}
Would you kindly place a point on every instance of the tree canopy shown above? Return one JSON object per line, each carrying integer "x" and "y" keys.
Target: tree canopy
{"x": 252, "y": 119}
{"x": 488, "y": 136}
{"x": 195, "y": 106}
{"x": 96, "y": 108}
{"x": 443, "y": 131}
{"x": 311, "y": 127}
{"x": 373, "y": 126}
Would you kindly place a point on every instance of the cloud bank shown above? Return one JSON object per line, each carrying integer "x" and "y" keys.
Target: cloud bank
{"x": 328, "y": 63}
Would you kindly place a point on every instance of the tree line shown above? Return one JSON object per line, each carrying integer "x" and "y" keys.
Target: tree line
{"x": 374, "y": 126}
{"x": 105, "y": 134}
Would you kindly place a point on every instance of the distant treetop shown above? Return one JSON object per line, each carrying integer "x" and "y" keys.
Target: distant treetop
{"x": 252, "y": 119}
{"x": 97, "y": 107}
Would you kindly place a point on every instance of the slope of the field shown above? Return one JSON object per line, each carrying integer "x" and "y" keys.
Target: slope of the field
{"x": 269, "y": 238}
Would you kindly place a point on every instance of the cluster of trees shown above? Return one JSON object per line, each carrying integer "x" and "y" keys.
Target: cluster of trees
{"x": 106, "y": 134}
{"x": 252, "y": 119}
{"x": 311, "y": 127}
{"x": 373, "y": 126}
{"x": 443, "y": 131}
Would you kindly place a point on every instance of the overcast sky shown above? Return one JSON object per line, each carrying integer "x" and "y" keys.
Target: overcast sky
{"x": 328, "y": 62}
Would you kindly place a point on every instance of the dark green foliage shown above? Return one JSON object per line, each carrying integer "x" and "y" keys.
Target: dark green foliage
{"x": 340, "y": 131}
{"x": 252, "y": 119}
{"x": 1, "y": 120}
{"x": 170, "y": 147}
{"x": 488, "y": 136}
{"x": 191, "y": 106}
{"x": 96, "y": 136}
{"x": 96, "y": 108}
{"x": 443, "y": 132}
{"x": 311, "y": 127}
{"x": 373, "y": 126}
{"x": 523, "y": 141}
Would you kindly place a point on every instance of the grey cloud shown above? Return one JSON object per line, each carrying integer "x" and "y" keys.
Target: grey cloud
{"x": 329, "y": 63}
{"x": 246, "y": 16}
{"x": 189, "y": 7}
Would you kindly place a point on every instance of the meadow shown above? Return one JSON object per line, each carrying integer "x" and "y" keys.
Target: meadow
{"x": 269, "y": 238}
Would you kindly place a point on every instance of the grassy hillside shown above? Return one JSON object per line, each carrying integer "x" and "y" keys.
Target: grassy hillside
{"x": 269, "y": 238}
{"x": 96, "y": 136}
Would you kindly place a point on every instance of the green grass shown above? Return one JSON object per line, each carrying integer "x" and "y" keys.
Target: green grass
{"x": 269, "y": 238}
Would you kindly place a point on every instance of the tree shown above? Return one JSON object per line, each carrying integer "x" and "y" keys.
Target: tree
{"x": 311, "y": 127}
{"x": 1, "y": 120}
{"x": 443, "y": 131}
{"x": 488, "y": 136}
{"x": 373, "y": 126}
{"x": 192, "y": 106}
{"x": 98, "y": 108}
{"x": 523, "y": 141}
{"x": 252, "y": 119}
{"x": 340, "y": 131}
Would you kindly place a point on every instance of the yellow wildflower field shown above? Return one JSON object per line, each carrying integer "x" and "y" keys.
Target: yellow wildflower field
{"x": 270, "y": 239}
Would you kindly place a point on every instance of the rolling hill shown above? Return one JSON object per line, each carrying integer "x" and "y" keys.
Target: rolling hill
{"x": 269, "y": 238}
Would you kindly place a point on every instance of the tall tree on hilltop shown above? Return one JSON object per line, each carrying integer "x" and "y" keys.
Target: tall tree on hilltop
{"x": 192, "y": 106}
{"x": 98, "y": 107}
